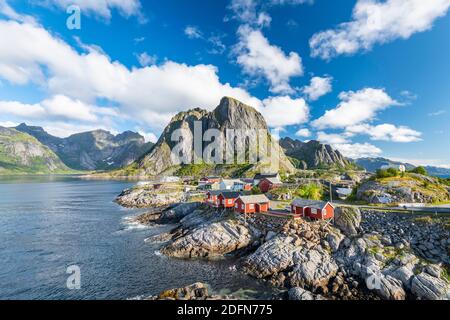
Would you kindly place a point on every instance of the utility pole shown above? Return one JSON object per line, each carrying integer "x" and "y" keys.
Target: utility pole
{"x": 331, "y": 193}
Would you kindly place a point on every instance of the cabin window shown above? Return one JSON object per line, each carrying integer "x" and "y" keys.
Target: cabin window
{"x": 252, "y": 206}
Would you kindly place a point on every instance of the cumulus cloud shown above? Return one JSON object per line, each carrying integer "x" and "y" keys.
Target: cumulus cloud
{"x": 259, "y": 58}
{"x": 303, "y": 133}
{"x": 355, "y": 108}
{"x": 30, "y": 54}
{"x": 100, "y": 8}
{"x": 284, "y": 111}
{"x": 193, "y": 32}
{"x": 331, "y": 138}
{"x": 386, "y": 132}
{"x": 377, "y": 22}
{"x": 318, "y": 87}
{"x": 146, "y": 60}
{"x": 58, "y": 107}
{"x": 148, "y": 136}
{"x": 358, "y": 150}
{"x": 9, "y": 12}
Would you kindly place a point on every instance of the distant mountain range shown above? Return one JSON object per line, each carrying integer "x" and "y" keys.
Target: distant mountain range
{"x": 313, "y": 154}
{"x": 373, "y": 164}
{"x": 21, "y": 153}
{"x": 94, "y": 150}
{"x": 30, "y": 149}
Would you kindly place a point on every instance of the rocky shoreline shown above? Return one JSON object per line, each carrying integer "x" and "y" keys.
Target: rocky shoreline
{"x": 364, "y": 255}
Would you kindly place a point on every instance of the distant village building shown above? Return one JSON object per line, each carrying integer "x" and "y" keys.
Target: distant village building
{"x": 212, "y": 198}
{"x": 267, "y": 184}
{"x": 227, "y": 199}
{"x": 252, "y": 204}
{"x": 209, "y": 180}
{"x": 318, "y": 210}
{"x": 228, "y": 184}
{"x": 242, "y": 186}
{"x": 209, "y": 186}
{"x": 258, "y": 177}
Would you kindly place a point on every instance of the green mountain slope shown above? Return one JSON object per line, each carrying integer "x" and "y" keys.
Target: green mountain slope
{"x": 21, "y": 153}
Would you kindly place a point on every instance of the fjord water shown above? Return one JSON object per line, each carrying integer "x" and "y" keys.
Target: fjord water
{"x": 50, "y": 223}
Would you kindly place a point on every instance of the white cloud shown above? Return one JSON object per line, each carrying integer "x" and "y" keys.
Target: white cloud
{"x": 148, "y": 136}
{"x": 284, "y": 111}
{"x": 331, "y": 138}
{"x": 193, "y": 32}
{"x": 303, "y": 133}
{"x": 358, "y": 150}
{"x": 249, "y": 12}
{"x": 7, "y": 11}
{"x": 146, "y": 60}
{"x": 58, "y": 107}
{"x": 437, "y": 113}
{"x": 151, "y": 95}
{"x": 377, "y": 22}
{"x": 253, "y": 12}
{"x": 355, "y": 108}
{"x": 318, "y": 87}
{"x": 386, "y": 132}
{"x": 259, "y": 58}
{"x": 100, "y": 8}
{"x": 214, "y": 40}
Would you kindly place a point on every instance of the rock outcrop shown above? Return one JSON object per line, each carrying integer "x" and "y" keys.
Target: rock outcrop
{"x": 312, "y": 268}
{"x": 148, "y": 196}
{"x": 428, "y": 287}
{"x": 347, "y": 219}
{"x": 271, "y": 258}
{"x": 212, "y": 240}
{"x": 196, "y": 291}
{"x": 298, "y": 293}
{"x": 412, "y": 188}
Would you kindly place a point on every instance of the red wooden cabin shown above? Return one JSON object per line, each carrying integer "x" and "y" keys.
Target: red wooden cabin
{"x": 227, "y": 199}
{"x": 318, "y": 210}
{"x": 252, "y": 204}
{"x": 212, "y": 197}
{"x": 206, "y": 180}
{"x": 267, "y": 184}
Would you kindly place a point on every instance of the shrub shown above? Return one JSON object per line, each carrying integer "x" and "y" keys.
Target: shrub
{"x": 420, "y": 170}
{"x": 311, "y": 191}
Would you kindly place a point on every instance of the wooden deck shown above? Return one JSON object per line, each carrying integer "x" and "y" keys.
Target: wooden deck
{"x": 282, "y": 214}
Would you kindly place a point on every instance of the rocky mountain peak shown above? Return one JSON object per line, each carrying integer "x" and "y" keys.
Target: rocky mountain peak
{"x": 229, "y": 114}
{"x": 234, "y": 114}
{"x": 313, "y": 154}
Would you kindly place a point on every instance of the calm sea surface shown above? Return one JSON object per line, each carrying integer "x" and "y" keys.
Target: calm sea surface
{"x": 50, "y": 223}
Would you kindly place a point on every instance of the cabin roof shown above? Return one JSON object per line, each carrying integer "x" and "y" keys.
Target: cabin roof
{"x": 260, "y": 198}
{"x": 230, "y": 194}
{"x": 265, "y": 175}
{"x": 273, "y": 180}
{"x": 215, "y": 192}
{"x": 310, "y": 203}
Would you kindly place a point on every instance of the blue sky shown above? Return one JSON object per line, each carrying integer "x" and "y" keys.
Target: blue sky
{"x": 369, "y": 77}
